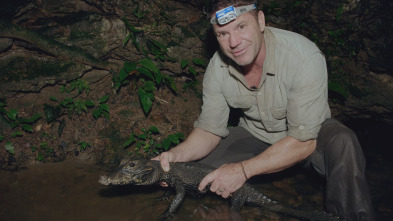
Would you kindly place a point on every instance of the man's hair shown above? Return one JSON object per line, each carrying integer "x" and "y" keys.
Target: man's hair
{"x": 216, "y": 5}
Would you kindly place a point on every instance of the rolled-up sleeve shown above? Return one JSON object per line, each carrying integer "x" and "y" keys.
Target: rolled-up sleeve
{"x": 307, "y": 101}
{"x": 215, "y": 109}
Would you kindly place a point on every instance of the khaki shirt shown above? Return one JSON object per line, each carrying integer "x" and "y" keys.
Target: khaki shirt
{"x": 291, "y": 99}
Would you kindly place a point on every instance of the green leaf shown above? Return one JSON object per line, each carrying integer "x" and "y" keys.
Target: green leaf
{"x": 183, "y": 63}
{"x": 339, "y": 12}
{"x": 2, "y": 104}
{"x": 1, "y": 138}
{"x": 40, "y": 157}
{"x": 171, "y": 83}
{"x": 150, "y": 65}
{"x": 127, "y": 38}
{"x": 52, "y": 112}
{"x": 146, "y": 99}
{"x": 27, "y": 127}
{"x": 338, "y": 88}
{"x": 12, "y": 114}
{"x": 166, "y": 143}
{"x": 130, "y": 27}
{"x": 106, "y": 115}
{"x": 13, "y": 124}
{"x": 53, "y": 99}
{"x": 135, "y": 42}
{"x": 192, "y": 70}
{"x": 158, "y": 44}
{"x": 122, "y": 75}
{"x": 142, "y": 137}
{"x": 90, "y": 103}
{"x": 158, "y": 78}
{"x": 199, "y": 62}
{"x": 154, "y": 129}
{"x": 129, "y": 141}
{"x": 104, "y": 107}
{"x": 83, "y": 145}
{"x": 32, "y": 119}
{"x": 145, "y": 72}
{"x": 103, "y": 99}
{"x": 96, "y": 113}
{"x": 17, "y": 133}
{"x": 173, "y": 138}
{"x": 149, "y": 87}
{"x": 181, "y": 136}
{"x": 10, "y": 148}
{"x": 129, "y": 67}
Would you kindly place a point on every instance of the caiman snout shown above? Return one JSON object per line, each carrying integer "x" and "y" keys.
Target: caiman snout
{"x": 103, "y": 180}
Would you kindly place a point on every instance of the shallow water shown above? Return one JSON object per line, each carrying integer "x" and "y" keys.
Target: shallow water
{"x": 69, "y": 191}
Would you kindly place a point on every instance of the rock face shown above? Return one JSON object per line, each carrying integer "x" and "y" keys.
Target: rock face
{"x": 54, "y": 52}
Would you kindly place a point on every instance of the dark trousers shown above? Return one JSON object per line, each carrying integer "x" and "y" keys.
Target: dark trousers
{"x": 338, "y": 157}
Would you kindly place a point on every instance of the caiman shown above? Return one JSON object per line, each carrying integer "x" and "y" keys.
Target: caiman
{"x": 185, "y": 178}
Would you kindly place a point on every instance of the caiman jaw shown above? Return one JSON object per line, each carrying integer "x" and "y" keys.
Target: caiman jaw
{"x": 122, "y": 178}
{"x": 138, "y": 178}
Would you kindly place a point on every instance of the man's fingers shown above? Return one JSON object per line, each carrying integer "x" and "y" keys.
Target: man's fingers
{"x": 226, "y": 194}
{"x": 206, "y": 180}
{"x": 164, "y": 159}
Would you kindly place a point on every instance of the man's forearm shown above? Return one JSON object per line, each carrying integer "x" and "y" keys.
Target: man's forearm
{"x": 197, "y": 145}
{"x": 281, "y": 155}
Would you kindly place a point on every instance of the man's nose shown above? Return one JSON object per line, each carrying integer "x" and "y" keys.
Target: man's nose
{"x": 234, "y": 40}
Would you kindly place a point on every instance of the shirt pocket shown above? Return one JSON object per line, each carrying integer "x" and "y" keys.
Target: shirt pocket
{"x": 275, "y": 120}
{"x": 279, "y": 113}
{"x": 244, "y": 101}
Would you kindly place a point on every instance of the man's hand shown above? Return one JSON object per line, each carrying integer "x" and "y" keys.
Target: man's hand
{"x": 224, "y": 180}
{"x": 165, "y": 158}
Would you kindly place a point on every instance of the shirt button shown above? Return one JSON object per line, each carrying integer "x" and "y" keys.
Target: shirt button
{"x": 301, "y": 127}
{"x": 262, "y": 113}
{"x": 259, "y": 93}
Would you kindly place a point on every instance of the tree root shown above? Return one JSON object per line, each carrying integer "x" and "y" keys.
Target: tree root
{"x": 57, "y": 49}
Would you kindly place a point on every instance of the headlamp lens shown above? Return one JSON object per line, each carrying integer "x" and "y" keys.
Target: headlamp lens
{"x": 230, "y": 13}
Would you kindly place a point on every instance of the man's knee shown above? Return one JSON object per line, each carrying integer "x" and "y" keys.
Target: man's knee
{"x": 337, "y": 146}
{"x": 343, "y": 141}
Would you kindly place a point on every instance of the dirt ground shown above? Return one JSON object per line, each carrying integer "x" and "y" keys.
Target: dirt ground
{"x": 171, "y": 113}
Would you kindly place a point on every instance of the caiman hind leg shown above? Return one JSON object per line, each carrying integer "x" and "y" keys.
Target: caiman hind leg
{"x": 177, "y": 200}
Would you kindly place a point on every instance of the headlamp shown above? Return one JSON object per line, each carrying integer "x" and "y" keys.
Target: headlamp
{"x": 230, "y": 13}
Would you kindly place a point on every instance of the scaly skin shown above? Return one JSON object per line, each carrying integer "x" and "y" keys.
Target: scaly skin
{"x": 185, "y": 178}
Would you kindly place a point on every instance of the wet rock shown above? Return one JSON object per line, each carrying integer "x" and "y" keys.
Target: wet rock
{"x": 5, "y": 43}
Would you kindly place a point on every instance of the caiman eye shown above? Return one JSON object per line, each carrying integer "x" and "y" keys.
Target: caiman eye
{"x": 132, "y": 164}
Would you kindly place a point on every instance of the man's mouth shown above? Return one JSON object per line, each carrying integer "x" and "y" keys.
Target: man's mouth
{"x": 238, "y": 53}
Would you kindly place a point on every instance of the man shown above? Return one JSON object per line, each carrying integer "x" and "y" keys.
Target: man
{"x": 279, "y": 80}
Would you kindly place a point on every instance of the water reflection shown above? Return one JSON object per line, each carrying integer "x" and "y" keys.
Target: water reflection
{"x": 69, "y": 191}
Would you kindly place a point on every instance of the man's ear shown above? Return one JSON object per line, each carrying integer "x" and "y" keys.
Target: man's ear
{"x": 261, "y": 20}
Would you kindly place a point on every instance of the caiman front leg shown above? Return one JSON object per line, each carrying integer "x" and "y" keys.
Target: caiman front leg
{"x": 177, "y": 200}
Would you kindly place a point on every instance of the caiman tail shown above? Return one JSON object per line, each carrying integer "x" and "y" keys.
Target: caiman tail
{"x": 258, "y": 199}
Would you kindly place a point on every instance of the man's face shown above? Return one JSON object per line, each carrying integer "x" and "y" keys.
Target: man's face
{"x": 241, "y": 40}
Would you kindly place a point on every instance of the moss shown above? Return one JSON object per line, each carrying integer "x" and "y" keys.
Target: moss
{"x": 126, "y": 113}
{"x": 81, "y": 35}
{"x": 20, "y": 68}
